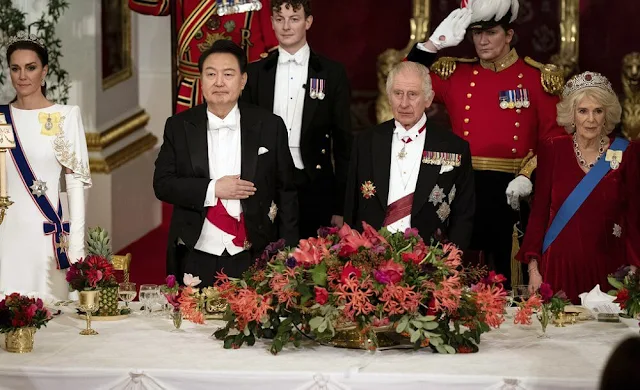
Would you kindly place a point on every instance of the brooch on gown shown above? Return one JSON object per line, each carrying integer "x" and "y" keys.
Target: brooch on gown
{"x": 50, "y": 123}
{"x": 617, "y": 230}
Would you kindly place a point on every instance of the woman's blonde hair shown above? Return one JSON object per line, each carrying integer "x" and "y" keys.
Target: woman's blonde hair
{"x": 567, "y": 108}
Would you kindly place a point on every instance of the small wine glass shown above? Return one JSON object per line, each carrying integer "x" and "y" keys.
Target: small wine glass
{"x": 148, "y": 296}
{"x": 520, "y": 293}
{"x": 127, "y": 292}
{"x": 508, "y": 304}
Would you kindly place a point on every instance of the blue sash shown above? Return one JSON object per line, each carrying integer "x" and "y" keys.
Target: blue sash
{"x": 53, "y": 224}
{"x": 580, "y": 194}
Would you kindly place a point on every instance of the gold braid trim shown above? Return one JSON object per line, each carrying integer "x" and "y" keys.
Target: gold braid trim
{"x": 445, "y": 66}
{"x": 551, "y": 76}
{"x": 529, "y": 164}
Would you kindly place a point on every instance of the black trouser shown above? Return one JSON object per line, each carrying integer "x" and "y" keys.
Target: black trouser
{"x": 493, "y": 221}
{"x": 205, "y": 265}
{"x": 315, "y": 201}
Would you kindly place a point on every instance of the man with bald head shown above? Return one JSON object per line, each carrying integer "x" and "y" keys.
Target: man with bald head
{"x": 406, "y": 173}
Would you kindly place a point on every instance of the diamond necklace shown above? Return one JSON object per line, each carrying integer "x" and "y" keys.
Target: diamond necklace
{"x": 581, "y": 159}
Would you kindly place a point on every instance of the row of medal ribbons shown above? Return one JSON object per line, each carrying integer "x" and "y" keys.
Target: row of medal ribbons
{"x": 514, "y": 98}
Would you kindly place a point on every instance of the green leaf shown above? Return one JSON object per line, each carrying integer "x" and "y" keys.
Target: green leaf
{"x": 435, "y": 341}
{"x": 430, "y": 325}
{"x": 415, "y": 335}
{"x": 416, "y": 323}
{"x": 322, "y": 327}
{"x": 319, "y": 274}
{"x": 402, "y": 325}
{"x": 449, "y": 349}
{"x": 228, "y": 342}
{"x": 221, "y": 333}
{"x": 615, "y": 283}
{"x": 315, "y": 322}
{"x": 440, "y": 349}
{"x": 427, "y": 318}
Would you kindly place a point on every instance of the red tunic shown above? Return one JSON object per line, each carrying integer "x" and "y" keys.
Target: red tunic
{"x": 590, "y": 246}
{"x": 198, "y": 26}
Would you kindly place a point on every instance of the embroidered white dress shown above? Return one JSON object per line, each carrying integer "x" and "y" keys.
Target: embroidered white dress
{"x": 27, "y": 256}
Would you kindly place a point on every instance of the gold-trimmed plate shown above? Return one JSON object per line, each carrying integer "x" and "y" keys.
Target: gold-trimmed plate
{"x": 104, "y": 318}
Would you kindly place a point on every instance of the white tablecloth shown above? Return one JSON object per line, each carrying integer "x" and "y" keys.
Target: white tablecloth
{"x": 142, "y": 353}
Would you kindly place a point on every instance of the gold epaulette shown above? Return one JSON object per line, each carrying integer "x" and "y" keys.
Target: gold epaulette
{"x": 551, "y": 76}
{"x": 445, "y": 66}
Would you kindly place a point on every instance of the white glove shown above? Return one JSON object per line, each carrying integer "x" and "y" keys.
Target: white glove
{"x": 518, "y": 188}
{"x": 452, "y": 29}
{"x": 75, "y": 195}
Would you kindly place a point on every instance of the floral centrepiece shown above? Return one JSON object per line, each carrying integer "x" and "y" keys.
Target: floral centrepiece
{"x": 91, "y": 273}
{"x": 545, "y": 303}
{"x": 19, "y": 311}
{"x": 369, "y": 280}
{"x": 626, "y": 282}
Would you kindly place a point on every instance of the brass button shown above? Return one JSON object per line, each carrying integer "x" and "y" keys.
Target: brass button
{"x": 518, "y": 110}
{"x": 520, "y": 76}
{"x": 517, "y": 124}
{"x": 519, "y": 85}
{"x": 318, "y": 166}
{"x": 475, "y": 72}
{"x": 466, "y": 120}
{"x": 468, "y": 96}
{"x": 472, "y": 84}
{"x": 467, "y": 108}
{"x": 466, "y": 133}
{"x": 513, "y": 150}
{"x": 323, "y": 151}
{"x": 515, "y": 137}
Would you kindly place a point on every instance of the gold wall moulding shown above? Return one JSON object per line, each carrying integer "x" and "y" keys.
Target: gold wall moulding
{"x": 99, "y": 141}
{"x": 631, "y": 102}
{"x": 115, "y": 42}
{"x": 124, "y": 155}
{"x": 567, "y": 57}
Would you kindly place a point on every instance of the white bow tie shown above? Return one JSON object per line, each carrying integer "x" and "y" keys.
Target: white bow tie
{"x": 222, "y": 124}
{"x": 285, "y": 58}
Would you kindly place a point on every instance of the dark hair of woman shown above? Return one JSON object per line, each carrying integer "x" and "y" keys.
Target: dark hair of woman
{"x": 621, "y": 371}
{"x": 42, "y": 53}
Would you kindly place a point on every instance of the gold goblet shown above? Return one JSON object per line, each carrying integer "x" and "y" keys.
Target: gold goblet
{"x": 89, "y": 302}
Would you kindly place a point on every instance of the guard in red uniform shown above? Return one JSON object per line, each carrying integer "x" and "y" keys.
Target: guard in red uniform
{"x": 503, "y": 105}
{"x": 199, "y": 25}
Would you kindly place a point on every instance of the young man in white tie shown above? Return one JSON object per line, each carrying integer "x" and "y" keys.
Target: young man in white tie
{"x": 311, "y": 94}
{"x": 227, "y": 170}
{"x": 406, "y": 173}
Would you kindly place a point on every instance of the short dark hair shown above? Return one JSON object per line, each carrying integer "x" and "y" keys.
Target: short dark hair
{"x": 621, "y": 371}
{"x": 225, "y": 46}
{"x": 295, "y": 4}
{"x": 40, "y": 51}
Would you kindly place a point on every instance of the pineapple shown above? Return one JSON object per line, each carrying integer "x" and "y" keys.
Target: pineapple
{"x": 99, "y": 244}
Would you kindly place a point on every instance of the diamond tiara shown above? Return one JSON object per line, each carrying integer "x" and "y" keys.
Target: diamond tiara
{"x": 24, "y": 37}
{"x": 587, "y": 80}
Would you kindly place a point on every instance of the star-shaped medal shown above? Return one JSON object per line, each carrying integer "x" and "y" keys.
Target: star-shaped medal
{"x": 273, "y": 211}
{"x": 39, "y": 188}
{"x": 402, "y": 154}
{"x": 617, "y": 230}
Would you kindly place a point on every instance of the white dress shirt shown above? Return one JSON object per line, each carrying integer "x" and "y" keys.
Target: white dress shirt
{"x": 289, "y": 94}
{"x": 223, "y": 142}
{"x": 403, "y": 174}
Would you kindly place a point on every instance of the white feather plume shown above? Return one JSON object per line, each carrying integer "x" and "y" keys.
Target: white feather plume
{"x": 485, "y": 10}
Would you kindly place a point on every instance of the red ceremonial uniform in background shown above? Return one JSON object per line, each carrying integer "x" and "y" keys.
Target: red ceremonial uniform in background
{"x": 500, "y": 138}
{"x": 198, "y": 26}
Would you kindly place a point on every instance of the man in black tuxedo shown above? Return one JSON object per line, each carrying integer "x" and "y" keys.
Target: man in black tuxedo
{"x": 405, "y": 173}
{"x": 226, "y": 168}
{"x": 311, "y": 94}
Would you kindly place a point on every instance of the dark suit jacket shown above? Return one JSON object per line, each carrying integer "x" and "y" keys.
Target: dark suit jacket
{"x": 326, "y": 124}
{"x": 181, "y": 178}
{"x": 371, "y": 160}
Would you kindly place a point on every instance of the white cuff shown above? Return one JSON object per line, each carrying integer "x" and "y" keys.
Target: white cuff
{"x": 210, "y": 199}
{"x": 422, "y": 47}
{"x": 75, "y": 195}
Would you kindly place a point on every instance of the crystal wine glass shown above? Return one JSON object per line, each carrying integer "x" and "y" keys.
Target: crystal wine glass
{"x": 148, "y": 296}
{"x": 127, "y": 292}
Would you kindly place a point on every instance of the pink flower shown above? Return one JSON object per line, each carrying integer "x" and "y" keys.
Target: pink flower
{"x": 546, "y": 292}
{"x": 322, "y": 295}
{"x": 351, "y": 240}
{"x": 171, "y": 281}
{"x": 391, "y": 272}
{"x": 372, "y": 234}
{"x": 31, "y": 311}
{"x": 93, "y": 277}
{"x": 493, "y": 278}
{"x": 311, "y": 251}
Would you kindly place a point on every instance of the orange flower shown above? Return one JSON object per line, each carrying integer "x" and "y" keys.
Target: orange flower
{"x": 352, "y": 240}
{"x": 248, "y": 306}
{"x": 490, "y": 301}
{"x": 447, "y": 295}
{"x": 399, "y": 299}
{"x": 525, "y": 311}
{"x": 189, "y": 306}
{"x": 454, "y": 257}
{"x": 356, "y": 297}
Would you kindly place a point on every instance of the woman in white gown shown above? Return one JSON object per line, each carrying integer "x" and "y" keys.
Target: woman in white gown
{"x": 36, "y": 243}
